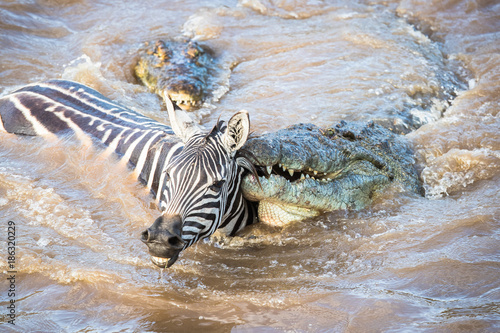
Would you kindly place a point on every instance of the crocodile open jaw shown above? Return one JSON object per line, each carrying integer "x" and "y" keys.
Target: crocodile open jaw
{"x": 304, "y": 170}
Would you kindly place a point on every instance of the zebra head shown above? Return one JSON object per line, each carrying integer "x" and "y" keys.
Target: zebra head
{"x": 201, "y": 191}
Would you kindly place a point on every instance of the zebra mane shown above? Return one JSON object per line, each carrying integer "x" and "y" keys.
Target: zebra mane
{"x": 220, "y": 126}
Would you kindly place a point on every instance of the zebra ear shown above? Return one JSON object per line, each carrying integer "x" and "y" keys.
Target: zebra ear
{"x": 182, "y": 124}
{"x": 237, "y": 131}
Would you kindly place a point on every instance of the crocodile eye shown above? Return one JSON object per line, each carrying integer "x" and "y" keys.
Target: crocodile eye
{"x": 217, "y": 185}
{"x": 161, "y": 51}
{"x": 192, "y": 52}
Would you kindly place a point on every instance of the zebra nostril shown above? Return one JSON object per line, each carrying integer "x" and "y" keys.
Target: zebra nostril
{"x": 145, "y": 236}
{"x": 176, "y": 242}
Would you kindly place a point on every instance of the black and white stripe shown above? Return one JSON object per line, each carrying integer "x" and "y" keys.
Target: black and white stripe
{"x": 198, "y": 179}
{"x": 203, "y": 184}
{"x": 60, "y": 107}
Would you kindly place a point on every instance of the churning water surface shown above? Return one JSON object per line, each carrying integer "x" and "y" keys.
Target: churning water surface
{"x": 408, "y": 263}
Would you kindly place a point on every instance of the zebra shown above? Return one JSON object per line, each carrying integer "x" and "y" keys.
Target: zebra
{"x": 194, "y": 174}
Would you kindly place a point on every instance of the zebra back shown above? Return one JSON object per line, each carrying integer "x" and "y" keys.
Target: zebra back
{"x": 59, "y": 107}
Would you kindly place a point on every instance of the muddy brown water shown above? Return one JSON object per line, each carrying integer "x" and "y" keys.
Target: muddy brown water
{"x": 406, "y": 264}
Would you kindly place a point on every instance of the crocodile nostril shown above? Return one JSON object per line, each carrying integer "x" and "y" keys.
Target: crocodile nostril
{"x": 145, "y": 236}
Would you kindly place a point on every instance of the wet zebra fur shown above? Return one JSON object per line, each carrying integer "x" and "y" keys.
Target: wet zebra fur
{"x": 194, "y": 175}
{"x": 67, "y": 108}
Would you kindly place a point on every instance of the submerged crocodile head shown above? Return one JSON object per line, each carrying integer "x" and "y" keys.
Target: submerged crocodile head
{"x": 178, "y": 69}
{"x": 305, "y": 170}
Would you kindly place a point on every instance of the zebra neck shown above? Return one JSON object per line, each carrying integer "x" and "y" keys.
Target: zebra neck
{"x": 240, "y": 212}
{"x": 150, "y": 168}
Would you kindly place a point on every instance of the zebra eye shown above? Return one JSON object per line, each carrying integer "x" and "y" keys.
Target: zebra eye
{"x": 167, "y": 176}
{"x": 217, "y": 185}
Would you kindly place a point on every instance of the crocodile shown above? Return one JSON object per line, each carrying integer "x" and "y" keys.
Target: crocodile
{"x": 179, "y": 69}
{"x": 304, "y": 170}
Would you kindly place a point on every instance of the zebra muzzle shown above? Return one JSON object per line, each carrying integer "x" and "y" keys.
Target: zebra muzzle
{"x": 164, "y": 262}
{"x": 164, "y": 240}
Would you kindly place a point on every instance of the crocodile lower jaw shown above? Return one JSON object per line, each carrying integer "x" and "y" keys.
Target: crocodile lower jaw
{"x": 281, "y": 214}
{"x": 282, "y": 201}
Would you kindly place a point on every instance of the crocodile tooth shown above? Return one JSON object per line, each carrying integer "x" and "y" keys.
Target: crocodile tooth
{"x": 284, "y": 168}
{"x": 290, "y": 171}
{"x": 307, "y": 175}
{"x": 315, "y": 172}
{"x": 302, "y": 176}
{"x": 269, "y": 169}
{"x": 279, "y": 164}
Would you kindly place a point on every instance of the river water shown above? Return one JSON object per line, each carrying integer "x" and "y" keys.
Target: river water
{"x": 406, "y": 264}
